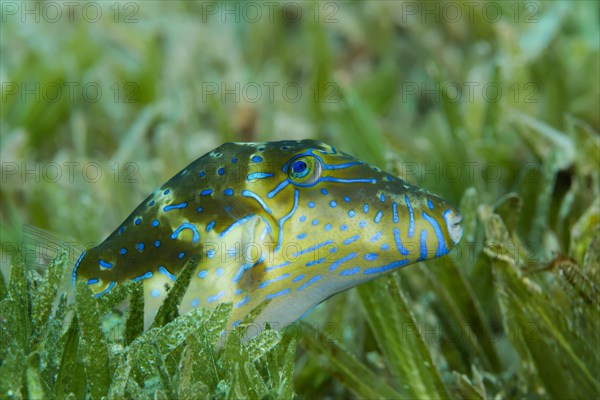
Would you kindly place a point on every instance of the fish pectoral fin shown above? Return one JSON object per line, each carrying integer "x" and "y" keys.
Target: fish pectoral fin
{"x": 255, "y": 239}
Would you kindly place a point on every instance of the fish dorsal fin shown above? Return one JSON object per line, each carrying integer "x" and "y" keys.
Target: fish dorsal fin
{"x": 42, "y": 246}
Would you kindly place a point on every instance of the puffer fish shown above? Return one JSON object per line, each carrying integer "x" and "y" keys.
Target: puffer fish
{"x": 293, "y": 222}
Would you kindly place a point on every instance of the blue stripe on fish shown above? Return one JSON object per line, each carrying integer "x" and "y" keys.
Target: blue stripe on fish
{"x": 309, "y": 282}
{"x": 258, "y": 175}
{"x": 285, "y": 218}
{"x": 411, "y": 224}
{"x": 280, "y": 293}
{"x": 174, "y": 206}
{"x": 385, "y": 268}
{"x": 236, "y": 223}
{"x": 403, "y": 250}
{"x": 312, "y": 248}
{"x": 342, "y": 260}
{"x": 350, "y": 271}
{"x": 215, "y": 297}
{"x": 423, "y": 245}
{"x": 277, "y": 189}
{"x": 166, "y": 273}
{"x": 187, "y": 225}
{"x": 144, "y": 276}
{"x": 315, "y": 262}
{"x": 441, "y": 242}
{"x": 284, "y": 264}
{"x": 351, "y": 239}
{"x": 276, "y": 279}
{"x": 108, "y": 289}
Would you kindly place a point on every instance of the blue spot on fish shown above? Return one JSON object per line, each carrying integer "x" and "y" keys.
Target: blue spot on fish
{"x": 210, "y": 225}
{"x": 242, "y": 302}
{"x": 376, "y": 237}
{"x": 370, "y": 256}
{"x": 429, "y": 204}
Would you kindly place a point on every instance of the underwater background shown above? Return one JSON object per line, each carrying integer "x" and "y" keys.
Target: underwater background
{"x": 491, "y": 105}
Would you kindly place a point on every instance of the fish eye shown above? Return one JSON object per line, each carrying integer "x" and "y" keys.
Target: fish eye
{"x": 299, "y": 169}
{"x": 304, "y": 170}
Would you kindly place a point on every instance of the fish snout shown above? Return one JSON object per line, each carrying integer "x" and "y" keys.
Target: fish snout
{"x": 453, "y": 218}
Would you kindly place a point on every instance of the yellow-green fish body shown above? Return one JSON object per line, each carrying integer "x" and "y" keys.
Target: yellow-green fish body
{"x": 293, "y": 222}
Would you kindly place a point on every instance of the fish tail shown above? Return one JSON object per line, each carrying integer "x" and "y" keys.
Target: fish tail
{"x": 41, "y": 247}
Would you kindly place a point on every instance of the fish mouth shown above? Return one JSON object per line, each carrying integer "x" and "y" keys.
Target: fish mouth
{"x": 453, "y": 219}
